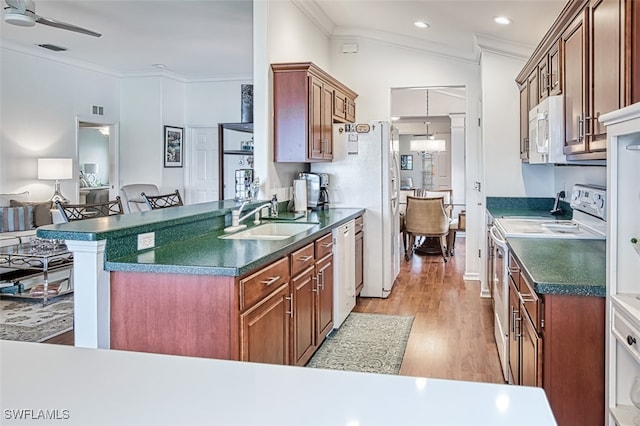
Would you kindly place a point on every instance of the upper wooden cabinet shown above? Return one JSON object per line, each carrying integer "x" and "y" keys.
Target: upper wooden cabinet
{"x": 307, "y": 101}
{"x": 589, "y": 56}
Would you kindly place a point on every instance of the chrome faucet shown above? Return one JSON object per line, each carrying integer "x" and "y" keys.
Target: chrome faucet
{"x": 236, "y": 219}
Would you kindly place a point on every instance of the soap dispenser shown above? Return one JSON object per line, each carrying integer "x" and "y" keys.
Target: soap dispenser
{"x": 274, "y": 206}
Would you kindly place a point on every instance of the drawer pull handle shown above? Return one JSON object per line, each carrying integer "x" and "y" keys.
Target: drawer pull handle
{"x": 305, "y": 258}
{"x": 271, "y": 280}
{"x": 631, "y": 340}
{"x": 327, "y": 245}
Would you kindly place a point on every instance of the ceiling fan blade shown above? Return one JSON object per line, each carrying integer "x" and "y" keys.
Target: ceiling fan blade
{"x": 17, "y": 5}
{"x": 65, "y": 26}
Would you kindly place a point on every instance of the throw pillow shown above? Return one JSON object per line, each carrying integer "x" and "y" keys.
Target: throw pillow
{"x": 16, "y": 218}
{"x": 20, "y": 196}
{"x": 41, "y": 211}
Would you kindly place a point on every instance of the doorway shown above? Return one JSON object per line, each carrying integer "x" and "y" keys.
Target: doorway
{"x": 432, "y": 112}
{"x": 97, "y": 147}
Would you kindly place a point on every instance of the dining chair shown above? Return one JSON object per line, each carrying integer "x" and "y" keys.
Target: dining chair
{"x": 133, "y": 200}
{"x": 155, "y": 202}
{"x": 426, "y": 217}
{"x": 457, "y": 224}
{"x": 73, "y": 212}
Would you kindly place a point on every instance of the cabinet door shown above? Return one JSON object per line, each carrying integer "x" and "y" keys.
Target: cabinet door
{"x": 524, "y": 122}
{"x": 605, "y": 67}
{"x": 327, "y": 122}
{"x": 303, "y": 331}
{"x": 339, "y": 105}
{"x": 514, "y": 335}
{"x": 324, "y": 306}
{"x": 573, "y": 43}
{"x": 316, "y": 133}
{"x": 532, "y": 83}
{"x": 264, "y": 329}
{"x": 531, "y": 357}
{"x": 543, "y": 78}
{"x": 359, "y": 262}
{"x": 351, "y": 110}
{"x": 555, "y": 70}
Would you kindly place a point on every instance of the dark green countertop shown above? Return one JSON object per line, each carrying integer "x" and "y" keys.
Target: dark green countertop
{"x": 563, "y": 266}
{"x": 526, "y": 207}
{"x": 206, "y": 254}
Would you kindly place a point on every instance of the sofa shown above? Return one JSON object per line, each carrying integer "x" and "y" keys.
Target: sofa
{"x": 19, "y": 217}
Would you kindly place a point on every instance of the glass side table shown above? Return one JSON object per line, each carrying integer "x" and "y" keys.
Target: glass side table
{"x": 38, "y": 257}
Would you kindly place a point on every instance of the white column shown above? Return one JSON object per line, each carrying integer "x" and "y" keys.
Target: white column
{"x": 91, "y": 297}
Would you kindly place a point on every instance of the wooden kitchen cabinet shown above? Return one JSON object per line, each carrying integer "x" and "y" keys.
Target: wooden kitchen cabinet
{"x": 307, "y": 101}
{"x": 524, "y": 122}
{"x": 553, "y": 344}
{"x": 590, "y": 56}
{"x": 312, "y": 317}
{"x": 264, "y": 329}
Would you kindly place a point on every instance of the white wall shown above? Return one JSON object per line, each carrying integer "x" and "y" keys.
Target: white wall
{"x": 282, "y": 33}
{"x": 378, "y": 67}
{"x": 38, "y": 108}
{"x": 505, "y": 175}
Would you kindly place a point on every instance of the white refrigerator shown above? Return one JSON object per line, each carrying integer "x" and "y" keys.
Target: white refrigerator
{"x": 365, "y": 173}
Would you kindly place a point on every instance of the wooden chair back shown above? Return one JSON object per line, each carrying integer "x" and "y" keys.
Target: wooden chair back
{"x": 163, "y": 201}
{"x": 427, "y": 217}
{"x": 73, "y": 212}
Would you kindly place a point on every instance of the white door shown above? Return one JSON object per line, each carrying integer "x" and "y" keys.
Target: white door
{"x": 203, "y": 165}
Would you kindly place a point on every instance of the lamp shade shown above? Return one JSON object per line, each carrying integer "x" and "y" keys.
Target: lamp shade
{"x": 427, "y": 145}
{"x": 55, "y": 168}
{"x": 90, "y": 167}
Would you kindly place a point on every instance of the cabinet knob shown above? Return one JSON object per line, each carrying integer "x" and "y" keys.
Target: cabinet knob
{"x": 631, "y": 340}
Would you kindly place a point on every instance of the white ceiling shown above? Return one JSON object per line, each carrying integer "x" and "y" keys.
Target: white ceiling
{"x": 210, "y": 39}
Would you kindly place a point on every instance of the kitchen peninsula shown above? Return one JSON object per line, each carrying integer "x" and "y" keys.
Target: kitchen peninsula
{"x": 193, "y": 293}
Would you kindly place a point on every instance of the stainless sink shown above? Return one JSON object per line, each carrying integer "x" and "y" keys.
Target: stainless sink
{"x": 270, "y": 231}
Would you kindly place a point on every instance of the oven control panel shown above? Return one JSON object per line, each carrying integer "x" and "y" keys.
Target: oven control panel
{"x": 590, "y": 199}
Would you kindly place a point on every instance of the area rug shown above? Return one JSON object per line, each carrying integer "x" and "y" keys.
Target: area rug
{"x": 29, "y": 321}
{"x": 368, "y": 343}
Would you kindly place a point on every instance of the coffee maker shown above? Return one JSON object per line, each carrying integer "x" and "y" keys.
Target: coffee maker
{"x": 317, "y": 194}
{"x": 323, "y": 200}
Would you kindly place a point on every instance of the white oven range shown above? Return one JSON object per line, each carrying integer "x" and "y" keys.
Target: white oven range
{"x": 589, "y": 222}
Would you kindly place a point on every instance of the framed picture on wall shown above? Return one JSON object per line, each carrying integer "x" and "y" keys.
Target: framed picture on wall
{"x": 173, "y": 146}
{"x": 406, "y": 162}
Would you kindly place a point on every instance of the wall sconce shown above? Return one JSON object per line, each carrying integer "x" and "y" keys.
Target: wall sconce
{"x": 55, "y": 169}
{"x": 427, "y": 147}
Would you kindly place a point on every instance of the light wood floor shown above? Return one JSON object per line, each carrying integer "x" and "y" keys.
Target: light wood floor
{"x": 452, "y": 334}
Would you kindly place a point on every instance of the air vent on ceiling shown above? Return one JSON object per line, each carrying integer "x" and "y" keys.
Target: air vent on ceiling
{"x": 53, "y": 47}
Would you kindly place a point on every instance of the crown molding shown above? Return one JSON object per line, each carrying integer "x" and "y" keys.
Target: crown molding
{"x": 503, "y": 47}
{"x": 315, "y": 13}
{"x": 396, "y": 40}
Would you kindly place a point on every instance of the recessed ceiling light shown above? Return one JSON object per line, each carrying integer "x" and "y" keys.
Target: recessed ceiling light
{"x": 502, "y": 20}
{"x": 421, "y": 24}
{"x": 160, "y": 66}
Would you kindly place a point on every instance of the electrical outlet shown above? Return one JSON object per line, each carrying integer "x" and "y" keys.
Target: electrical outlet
{"x": 146, "y": 241}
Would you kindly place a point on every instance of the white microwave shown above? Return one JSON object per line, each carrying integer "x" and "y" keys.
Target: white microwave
{"x": 546, "y": 132}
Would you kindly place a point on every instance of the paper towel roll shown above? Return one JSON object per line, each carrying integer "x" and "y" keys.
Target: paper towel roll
{"x": 300, "y": 195}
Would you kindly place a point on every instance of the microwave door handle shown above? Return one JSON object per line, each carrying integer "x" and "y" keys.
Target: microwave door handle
{"x": 542, "y": 141}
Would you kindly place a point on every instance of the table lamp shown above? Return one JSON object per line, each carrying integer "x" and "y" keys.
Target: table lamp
{"x": 55, "y": 169}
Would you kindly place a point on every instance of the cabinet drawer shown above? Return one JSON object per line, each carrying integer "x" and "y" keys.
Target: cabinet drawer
{"x": 531, "y": 302}
{"x": 359, "y": 224}
{"x": 514, "y": 271}
{"x": 324, "y": 246}
{"x": 257, "y": 286}
{"x": 626, "y": 333}
{"x": 301, "y": 259}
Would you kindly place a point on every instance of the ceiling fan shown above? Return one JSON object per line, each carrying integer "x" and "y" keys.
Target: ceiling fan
{"x": 23, "y": 14}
